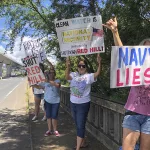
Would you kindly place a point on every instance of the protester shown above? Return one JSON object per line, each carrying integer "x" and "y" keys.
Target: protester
{"x": 136, "y": 122}
{"x": 80, "y": 85}
{"x": 38, "y": 97}
{"x": 52, "y": 100}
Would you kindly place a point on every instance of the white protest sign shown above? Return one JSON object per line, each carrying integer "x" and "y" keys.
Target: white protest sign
{"x": 35, "y": 47}
{"x": 130, "y": 66}
{"x": 80, "y": 36}
{"x": 34, "y": 73}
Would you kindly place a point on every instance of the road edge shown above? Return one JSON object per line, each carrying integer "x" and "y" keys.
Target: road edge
{"x": 28, "y": 92}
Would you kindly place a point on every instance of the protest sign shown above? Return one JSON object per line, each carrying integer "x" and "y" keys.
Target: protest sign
{"x": 35, "y": 47}
{"x": 34, "y": 73}
{"x": 130, "y": 66}
{"x": 80, "y": 36}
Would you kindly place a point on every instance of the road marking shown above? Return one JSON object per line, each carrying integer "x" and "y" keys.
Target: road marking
{"x": 10, "y": 92}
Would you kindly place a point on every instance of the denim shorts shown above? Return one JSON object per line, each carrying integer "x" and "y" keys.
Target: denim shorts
{"x": 139, "y": 123}
{"x": 51, "y": 110}
{"x": 39, "y": 96}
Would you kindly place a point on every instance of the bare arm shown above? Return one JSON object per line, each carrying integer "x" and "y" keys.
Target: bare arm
{"x": 58, "y": 85}
{"x": 112, "y": 25}
{"x": 37, "y": 86}
{"x": 97, "y": 73}
{"x": 67, "y": 72}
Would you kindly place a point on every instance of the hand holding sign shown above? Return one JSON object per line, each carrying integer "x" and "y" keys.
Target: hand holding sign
{"x": 99, "y": 58}
{"x": 67, "y": 62}
{"x": 111, "y": 24}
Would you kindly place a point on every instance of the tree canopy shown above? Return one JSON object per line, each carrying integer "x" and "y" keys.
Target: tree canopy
{"x": 36, "y": 18}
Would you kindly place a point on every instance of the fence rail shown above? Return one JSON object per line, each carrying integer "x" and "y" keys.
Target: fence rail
{"x": 104, "y": 119}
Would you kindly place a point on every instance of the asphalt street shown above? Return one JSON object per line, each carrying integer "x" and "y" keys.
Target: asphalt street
{"x": 8, "y": 85}
{"x": 13, "y": 116}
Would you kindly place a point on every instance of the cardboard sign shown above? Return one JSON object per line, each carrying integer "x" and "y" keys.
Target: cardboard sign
{"x": 35, "y": 47}
{"x": 80, "y": 36}
{"x": 34, "y": 73}
{"x": 130, "y": 66}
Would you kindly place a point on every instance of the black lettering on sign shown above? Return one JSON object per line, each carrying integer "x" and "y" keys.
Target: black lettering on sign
{"x": 62, "y": 24}
{"x": 29, "y": 62}
{"x": 94, "y": 19}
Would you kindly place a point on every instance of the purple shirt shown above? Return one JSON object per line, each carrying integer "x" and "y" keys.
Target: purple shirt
{"x": 139, "y": 100}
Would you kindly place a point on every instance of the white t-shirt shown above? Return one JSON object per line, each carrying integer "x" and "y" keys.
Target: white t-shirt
{"x": 38, "y": 91}
{"x": 80, "y": 87}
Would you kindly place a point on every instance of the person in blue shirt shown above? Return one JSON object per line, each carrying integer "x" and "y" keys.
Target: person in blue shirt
{"x": 52, "y": 100}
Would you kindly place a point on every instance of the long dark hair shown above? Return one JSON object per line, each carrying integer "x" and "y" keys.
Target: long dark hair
{"x": 86, "y": 64}
{"x": 47, "y": 73}
{"x": 42, "y": 67}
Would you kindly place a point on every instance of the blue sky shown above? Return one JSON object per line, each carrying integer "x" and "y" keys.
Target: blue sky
{"x": 17, "y": 53}
{"x": 2, "y": 23}
{"x": 2, "y": 26}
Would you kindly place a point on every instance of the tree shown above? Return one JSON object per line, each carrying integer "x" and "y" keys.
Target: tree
{"x": 36, "y": 18}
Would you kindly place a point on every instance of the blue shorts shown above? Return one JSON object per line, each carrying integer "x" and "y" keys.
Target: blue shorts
{"x": 51, "y": 110}
{"x": 39, "y": 96}
{"x": 139, "y": 123}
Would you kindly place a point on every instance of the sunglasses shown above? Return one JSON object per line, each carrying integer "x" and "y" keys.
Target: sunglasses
{"x": 83, "y": 66}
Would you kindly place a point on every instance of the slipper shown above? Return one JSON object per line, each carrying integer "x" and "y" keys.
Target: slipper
{"x": 83, "y": 146}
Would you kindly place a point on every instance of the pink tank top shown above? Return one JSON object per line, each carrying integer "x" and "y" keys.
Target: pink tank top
{"x": 139, "y": 100}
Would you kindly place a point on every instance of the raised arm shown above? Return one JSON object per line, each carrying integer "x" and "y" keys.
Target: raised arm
{"x": 97, "y": 73}
{"x": 113, "y": 26}
{"x": 67, "y": 72}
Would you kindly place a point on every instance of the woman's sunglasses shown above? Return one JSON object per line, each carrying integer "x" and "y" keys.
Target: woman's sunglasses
{"x": 83, "y": 66}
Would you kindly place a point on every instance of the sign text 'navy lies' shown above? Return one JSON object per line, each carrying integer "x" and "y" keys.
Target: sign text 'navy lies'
{"x": 130, "y": 66}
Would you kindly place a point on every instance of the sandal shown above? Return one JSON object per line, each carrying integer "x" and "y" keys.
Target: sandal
{"x": 83, "y": 146}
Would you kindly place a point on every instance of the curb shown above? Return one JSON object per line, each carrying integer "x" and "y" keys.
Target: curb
{"x": 28, "y": 112}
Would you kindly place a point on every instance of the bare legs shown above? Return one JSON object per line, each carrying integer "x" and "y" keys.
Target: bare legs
{"x": 52, "y": 123}
{"x": 79, "y": 142}
{"x": 37, "y": 105}
{"x": 145, "y": 142}
{"x": 131, "y": 137}
{"x": 49, "y": 123}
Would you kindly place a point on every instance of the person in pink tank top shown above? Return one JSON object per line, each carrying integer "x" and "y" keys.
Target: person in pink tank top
{"x": 136, "y": 122}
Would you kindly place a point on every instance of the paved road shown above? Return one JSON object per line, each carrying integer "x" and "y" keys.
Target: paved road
{"x": 8, "y": 85}
{"x": 13, "y": 117}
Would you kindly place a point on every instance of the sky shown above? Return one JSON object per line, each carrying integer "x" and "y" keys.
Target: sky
{"x": 17, "y": 54}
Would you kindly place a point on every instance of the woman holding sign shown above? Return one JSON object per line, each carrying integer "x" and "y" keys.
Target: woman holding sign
{"x": 38, "y": 97}
{"x": 52, "y": 100}
{"x": 80, "y": 86}
{"x": 136, "y": 122}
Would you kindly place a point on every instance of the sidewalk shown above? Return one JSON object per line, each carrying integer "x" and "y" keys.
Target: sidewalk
{"x": 66, "y": 128}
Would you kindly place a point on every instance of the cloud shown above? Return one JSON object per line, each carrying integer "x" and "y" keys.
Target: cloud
{"x": 18, "y": 53}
